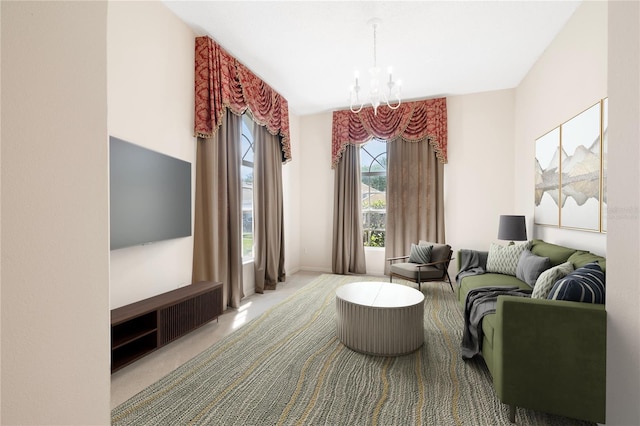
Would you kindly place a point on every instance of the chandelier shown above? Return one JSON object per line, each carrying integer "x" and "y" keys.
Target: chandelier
{"x": 376, "y": 94}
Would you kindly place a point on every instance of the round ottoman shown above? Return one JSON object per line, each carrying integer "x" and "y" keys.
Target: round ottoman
{"x": 380, "y": 318}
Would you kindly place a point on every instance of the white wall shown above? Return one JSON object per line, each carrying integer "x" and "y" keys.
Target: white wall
{"x": 55, "y": 244}
{"x": 375, "y": 258}
{"x": 316, "y": 192}
{"x": 479, "y": 178}
{"x": 569, "y": 77}
{"x": 623, "y": 238}
{"x": 150, "y": 59}
{"x": 291, "y": 173}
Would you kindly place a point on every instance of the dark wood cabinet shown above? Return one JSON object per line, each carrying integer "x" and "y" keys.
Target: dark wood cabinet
{"x": 142, "y": 327}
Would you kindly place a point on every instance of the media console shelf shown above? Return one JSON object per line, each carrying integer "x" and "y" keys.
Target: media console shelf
{"x": 142, "y": 327}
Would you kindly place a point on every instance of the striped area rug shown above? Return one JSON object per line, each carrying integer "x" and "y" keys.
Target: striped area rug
{"x": 288, "y": 368}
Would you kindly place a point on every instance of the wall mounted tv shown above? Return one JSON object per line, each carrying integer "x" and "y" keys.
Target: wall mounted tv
{"x": 150, "y": 195}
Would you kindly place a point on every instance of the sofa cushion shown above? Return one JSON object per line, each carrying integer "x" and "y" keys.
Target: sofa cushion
{"x": 504, "y": 259}
{"x": 531, "y": 266}
{"x": 438, "y": 252}
{"x": 585, "y": 284}
{"x": 581, "y": 258}
{"x": 420, "y": 254}
{"x": 487, "y": 280}
{"x": 556, "y": 254}
{"x": 548, "y": 278}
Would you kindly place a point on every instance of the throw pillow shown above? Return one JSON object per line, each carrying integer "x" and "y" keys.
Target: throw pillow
{"x": 504, "y": 259}
{"x": 548, "y": 278}
{"x": 556, "y": 254}
{"x": 585, "y": 284}
{"x": 420, "y": 254}
{"x": 439, "y": 252}
{"x": 530, "y": 267}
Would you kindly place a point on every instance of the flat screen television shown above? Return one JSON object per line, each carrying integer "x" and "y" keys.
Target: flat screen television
{"x": 150, "y": 195}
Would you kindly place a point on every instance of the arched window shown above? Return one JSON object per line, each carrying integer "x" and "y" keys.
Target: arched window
{"x": 373, "y": 163}
{"x": 246, "y": 173}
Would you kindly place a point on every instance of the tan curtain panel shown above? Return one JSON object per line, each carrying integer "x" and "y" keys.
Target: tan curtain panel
{"x": 415, "y": 201}
{"x": 348, "y": 249}
{"x": 268, "y": 211}
{"x": 217, "y": 247}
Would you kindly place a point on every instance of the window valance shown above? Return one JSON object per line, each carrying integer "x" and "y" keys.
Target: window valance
{"x": 412, "y": 121}
{"x": 221, "y": 81}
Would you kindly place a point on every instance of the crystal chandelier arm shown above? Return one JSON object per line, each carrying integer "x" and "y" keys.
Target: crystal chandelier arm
{"x": 388, "y": 97}
{"x": 357, "y": 101}
{"x": 353, "y": 95}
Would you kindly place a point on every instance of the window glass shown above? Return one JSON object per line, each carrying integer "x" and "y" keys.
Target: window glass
{"x": 246, "y": 171}
{"x": 373, "y": 163}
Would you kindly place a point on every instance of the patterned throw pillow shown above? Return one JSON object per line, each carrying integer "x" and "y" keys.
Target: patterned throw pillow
{"x": 439, "y": 252}
{"x": 420, "y": 254}
{"x": 531, "y": 266}
{"x": 585, "y": 284}
{"x": 548, "y": 278}
{"x": 504, "y": 259}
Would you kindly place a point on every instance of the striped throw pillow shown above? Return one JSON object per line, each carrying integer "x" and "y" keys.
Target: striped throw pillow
{"x": 585, "y": 284}
{"x": 420, "y": 254}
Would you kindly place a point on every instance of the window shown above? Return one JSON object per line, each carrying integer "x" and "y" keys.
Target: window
{"x": 246, "y": 173}
{"x": 373, "y": 163}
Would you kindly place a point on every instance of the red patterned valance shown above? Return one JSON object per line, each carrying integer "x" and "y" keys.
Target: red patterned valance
{"x": 412, "y": 121}
{"x": 221, "y": 81}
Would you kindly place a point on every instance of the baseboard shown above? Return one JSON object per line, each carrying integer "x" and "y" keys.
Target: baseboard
{"x": 315, "y": 269}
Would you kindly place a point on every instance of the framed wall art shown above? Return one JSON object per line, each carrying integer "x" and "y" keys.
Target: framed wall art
{"x": 547, "y": 175}
{"x": 580, "y": 171}
{"x": 570, "y": 172}
{"x": 605, "y": 143}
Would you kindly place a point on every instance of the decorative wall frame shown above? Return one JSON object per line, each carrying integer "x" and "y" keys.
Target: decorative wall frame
{"x": 605, "y": 149}
{"x": 570, "y": 172}
{"x": 547, "y": 179}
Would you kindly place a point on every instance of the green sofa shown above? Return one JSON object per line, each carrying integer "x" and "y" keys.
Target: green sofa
{"x": 546, "y": 355}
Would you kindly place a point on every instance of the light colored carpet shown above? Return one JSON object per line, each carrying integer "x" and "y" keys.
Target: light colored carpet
{"x": 288, "y": 368}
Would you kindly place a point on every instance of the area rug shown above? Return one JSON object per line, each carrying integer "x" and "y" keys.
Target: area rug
{"x": 287, "y": 367}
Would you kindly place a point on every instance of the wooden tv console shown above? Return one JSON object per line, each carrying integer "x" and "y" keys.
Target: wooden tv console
{"x": 142, "y": 327}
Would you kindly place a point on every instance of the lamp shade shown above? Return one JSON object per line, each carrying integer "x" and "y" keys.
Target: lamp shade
{"x": 512, "y": 228}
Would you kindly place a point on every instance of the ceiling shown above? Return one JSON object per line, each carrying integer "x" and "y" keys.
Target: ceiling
{"x": 308, "y": 50}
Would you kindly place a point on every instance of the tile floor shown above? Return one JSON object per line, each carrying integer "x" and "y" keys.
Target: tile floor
{"x": 135, "y": 377}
